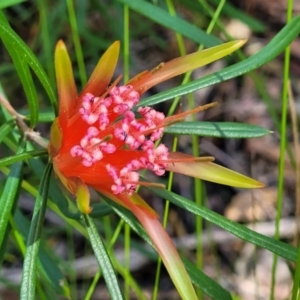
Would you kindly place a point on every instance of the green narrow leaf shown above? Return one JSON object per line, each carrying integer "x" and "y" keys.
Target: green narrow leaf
{"x": 50, "y": 269}
{"x": 218, "y": 129}
{"x": 103, "y": 259}
{"x": 25, "y": 53}
{"x": 46, "y": 117}
{"x": 5, "y": 239}
{"x": 205, "y": 283}
{"x": 26, "y": 79}
{"x": 21, "y": 157}
{"x": 5, "y": 129}
{"x": 274, "y": 48}
{"x": 29, "y": 275}
{"x": 177, "y": 24}
{"x": 282, "y": 249}
{"x": 9, "y": 194}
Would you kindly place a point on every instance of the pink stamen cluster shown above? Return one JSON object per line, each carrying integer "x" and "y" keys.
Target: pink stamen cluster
{"x": 111, "y": 122}
{"x": 91, "y": 147}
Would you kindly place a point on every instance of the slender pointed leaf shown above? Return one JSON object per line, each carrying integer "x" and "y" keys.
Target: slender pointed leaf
{"x": 27, "y": 81}
{"x": 21, "y": 157}
{"x": 282, "y": 249}
{"x": 50, "y": 269}
{"x": 9, "y": 194}
{"x": 103, "y": 259}
{"x": 5, "y": 129}
{"x": 29, "y": 275}
{"x": 218, "y": 129}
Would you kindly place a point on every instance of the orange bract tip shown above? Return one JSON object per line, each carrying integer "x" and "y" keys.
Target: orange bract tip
{"x": 209, "y": 171}
{"x": 67, "y": 91}
{"x": 104, "y": 71}
{"x": 83, "y": 198}
{"x": 180, "y": 65}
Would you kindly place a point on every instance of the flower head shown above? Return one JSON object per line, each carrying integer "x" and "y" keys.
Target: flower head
{"x": 100, "y": 140}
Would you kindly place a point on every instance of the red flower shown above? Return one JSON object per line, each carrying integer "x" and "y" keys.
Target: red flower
{"x": 98, "y": 141}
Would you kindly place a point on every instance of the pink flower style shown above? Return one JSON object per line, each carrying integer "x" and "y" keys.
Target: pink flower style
{"x": 99, "y": 141}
